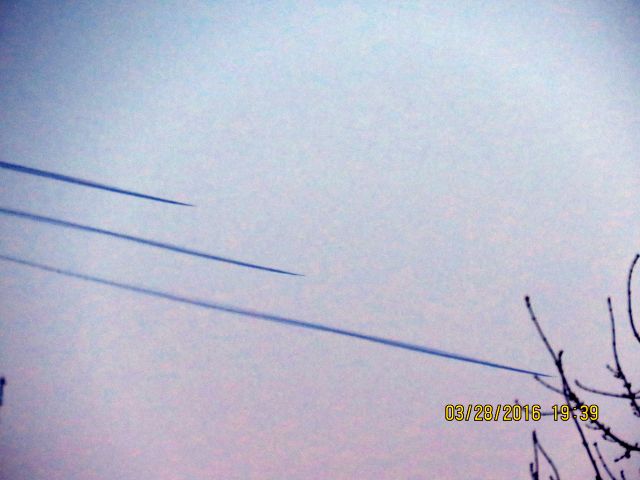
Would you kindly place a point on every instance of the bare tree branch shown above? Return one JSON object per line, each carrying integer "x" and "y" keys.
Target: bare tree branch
{"x": 534, "y": 467}
{"x": 607, "y": 394}
{"x": 547, "y": 385}
{"x": 548, "y": 459}
{"x": 566, "y": 388}
{"x": 629, "y": 306}
{"x": 604, "y": 464}
{"x": 617, "y": 372}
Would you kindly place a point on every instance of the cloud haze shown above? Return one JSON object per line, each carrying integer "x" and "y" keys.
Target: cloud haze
{"x": 424, "y": 164}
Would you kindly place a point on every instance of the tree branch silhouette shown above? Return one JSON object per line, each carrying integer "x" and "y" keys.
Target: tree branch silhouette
{"x": 575, "y": 401}
{"x": 534, "y": 467}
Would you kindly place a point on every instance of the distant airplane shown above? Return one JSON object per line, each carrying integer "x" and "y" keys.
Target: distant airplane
{"x": 86, "y": 183}
{"x": 131, "y": 238}
{"x": 272, "y": 318}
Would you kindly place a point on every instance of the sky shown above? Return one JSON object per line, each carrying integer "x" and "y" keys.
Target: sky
{"x": 425, "y": 165}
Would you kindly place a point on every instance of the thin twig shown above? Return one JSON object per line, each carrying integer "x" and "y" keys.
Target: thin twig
{"x": 566, "y": 389}
{"x": 604, "y": 464}
{"x": 606, "y": 394}
{"x": 535, "y": 466}
{"x": 619, "y": 372}
{"x": 547, "y": 385}
{"x": 549, "y": 461}
{"x": 629, "y": 306}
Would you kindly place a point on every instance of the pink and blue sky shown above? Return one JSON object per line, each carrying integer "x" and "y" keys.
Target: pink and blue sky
{"x": 424, "y": 164}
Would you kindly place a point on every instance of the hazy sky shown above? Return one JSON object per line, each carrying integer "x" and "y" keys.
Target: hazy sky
{"x": 425, "y": 164}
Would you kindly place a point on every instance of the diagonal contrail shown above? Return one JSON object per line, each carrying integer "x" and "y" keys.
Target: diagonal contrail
{"x": 269, "y": 317}
{"x": 78, "y": 181}
{"x": 131, "y": 238}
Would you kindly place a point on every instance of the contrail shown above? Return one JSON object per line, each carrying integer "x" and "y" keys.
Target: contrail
{"x": 269, "y": 317}
{"x": 122, "y": 236}
{"x": 86, "y": 183}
